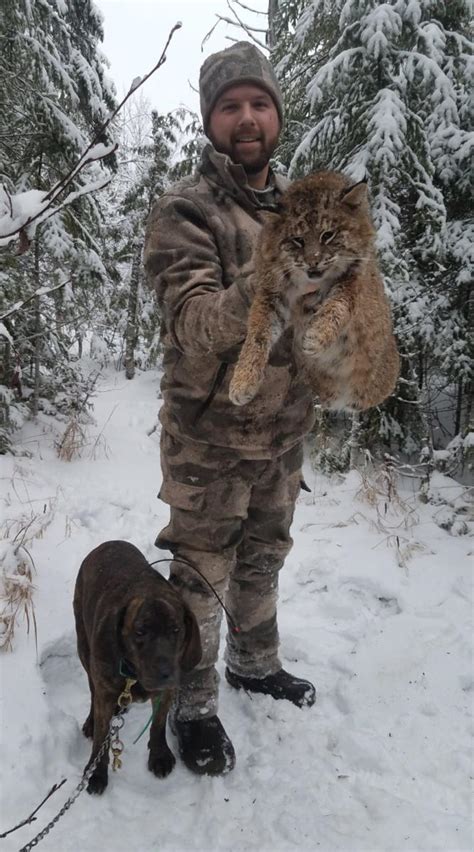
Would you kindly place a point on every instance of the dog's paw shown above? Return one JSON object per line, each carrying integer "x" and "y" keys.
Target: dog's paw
{"x": 161, "y": 763}
{"x": 97, "y": 782}
{"x": 88, "y": 727}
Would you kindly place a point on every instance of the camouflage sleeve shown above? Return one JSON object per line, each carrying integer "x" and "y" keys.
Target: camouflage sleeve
{"x": 183, "y": 266}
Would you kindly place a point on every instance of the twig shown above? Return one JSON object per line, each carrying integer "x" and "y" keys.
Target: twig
{"x": 102, "y": 430}
{"x": 245, "y": 27}
{"x": 23, "y": 530}
{"x": 208, "y": 35}
{"x": 84, "y": 159}
{"x": 32, "y": 817}
{"x": 240, "y": 24}
{"x": 111, "y": 117}
{"x": 248, "y": 9}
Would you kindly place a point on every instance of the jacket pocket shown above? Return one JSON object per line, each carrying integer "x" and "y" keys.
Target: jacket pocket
{"x": 180, "y": 495}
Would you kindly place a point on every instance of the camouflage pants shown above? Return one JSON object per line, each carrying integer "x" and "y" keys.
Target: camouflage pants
{"x": 230, "y": 517}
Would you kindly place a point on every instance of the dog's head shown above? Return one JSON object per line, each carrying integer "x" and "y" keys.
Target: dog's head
{"x": 160, "y": 639}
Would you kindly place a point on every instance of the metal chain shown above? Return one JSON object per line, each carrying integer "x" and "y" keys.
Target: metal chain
{"x": 113, "y": 732}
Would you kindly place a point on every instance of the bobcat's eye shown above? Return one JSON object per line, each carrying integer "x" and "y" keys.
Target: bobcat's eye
{"x": 295, "y": 241}
{"x": 327, "y": 236}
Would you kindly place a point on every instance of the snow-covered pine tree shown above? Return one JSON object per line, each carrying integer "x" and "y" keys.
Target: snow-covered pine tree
{"x": 382, "y": 90}
{"x": 55, "y": 96}
{"x": 191, "y": 143}
{"x": 150, "y": 159}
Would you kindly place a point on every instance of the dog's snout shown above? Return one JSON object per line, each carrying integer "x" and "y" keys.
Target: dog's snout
{"x": 165, "y": 671}
{"x": 162, "y": 673}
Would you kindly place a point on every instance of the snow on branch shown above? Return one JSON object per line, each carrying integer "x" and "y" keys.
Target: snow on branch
{"x": 382, "y": 25}
{"x": 20, "y": 214}
{"x": 41, "y": 291}
{"x": 325, "y": 75}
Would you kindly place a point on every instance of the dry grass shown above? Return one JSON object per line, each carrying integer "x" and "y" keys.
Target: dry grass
{"x": 379, "y": 488}
{"x": 16, "y": 578}
{"x": 72, "y": 442}
{"x": 394, "y": 516}
{"x": 17, "y": 599}
{"x": 75, "y": 440}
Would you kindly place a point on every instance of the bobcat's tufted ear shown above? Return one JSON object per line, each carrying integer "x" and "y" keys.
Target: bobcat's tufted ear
{"x": 355, "y": 195}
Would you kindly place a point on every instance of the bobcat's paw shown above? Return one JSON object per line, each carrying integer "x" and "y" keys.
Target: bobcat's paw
{"x": 241, "y": 394}
{"x": 312, "y": 343}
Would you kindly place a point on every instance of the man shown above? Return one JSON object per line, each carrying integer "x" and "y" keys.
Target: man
{"x": 231, "y": 475}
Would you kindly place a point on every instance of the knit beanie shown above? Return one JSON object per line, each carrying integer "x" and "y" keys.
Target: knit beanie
{"x": 242, "y": 63}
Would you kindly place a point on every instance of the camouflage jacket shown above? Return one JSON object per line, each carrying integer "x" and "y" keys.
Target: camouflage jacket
{"x": 198, "y": 248}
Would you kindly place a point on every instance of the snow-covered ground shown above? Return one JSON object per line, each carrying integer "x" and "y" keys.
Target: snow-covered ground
{"x": 374, "y": 608}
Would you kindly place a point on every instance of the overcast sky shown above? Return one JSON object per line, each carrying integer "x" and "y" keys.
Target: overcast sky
{"x": 135, "y": 32}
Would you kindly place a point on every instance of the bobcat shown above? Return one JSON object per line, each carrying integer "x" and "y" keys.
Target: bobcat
{"x": 321, "y": 243}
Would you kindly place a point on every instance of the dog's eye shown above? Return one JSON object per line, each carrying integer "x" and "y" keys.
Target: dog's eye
{"x": 327, "y": 236}
{"x": 140, "y": 632}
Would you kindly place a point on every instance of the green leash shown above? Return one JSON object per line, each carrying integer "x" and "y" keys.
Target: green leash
{"x": 156, "y": 705}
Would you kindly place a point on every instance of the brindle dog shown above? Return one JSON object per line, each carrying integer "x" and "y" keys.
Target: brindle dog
{"x": 130, "y": 619}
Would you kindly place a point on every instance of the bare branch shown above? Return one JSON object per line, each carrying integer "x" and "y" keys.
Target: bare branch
{"x": 208, "y": 35}
{"x": 32, "y": 817}
{"x": 111, "y": 117}
{"x": 248, "y": 29}
{"x": 238, "y": 23}
{"x": 248, "y": 9}
{"x": 88, "y": 156}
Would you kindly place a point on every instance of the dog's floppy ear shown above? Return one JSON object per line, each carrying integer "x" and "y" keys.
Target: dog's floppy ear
{"x": 192, "y": 652}
{"x": 125, "y": 618}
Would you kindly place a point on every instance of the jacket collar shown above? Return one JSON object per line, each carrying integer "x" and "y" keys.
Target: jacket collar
{"x": 219, "y": 170}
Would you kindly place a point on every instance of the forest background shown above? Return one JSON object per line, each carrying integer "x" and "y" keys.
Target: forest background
{"x": 379, "y": 90}
{"x": 376, "y": 598}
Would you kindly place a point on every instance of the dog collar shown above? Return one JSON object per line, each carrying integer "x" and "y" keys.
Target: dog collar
{"x": 125, "y": 669}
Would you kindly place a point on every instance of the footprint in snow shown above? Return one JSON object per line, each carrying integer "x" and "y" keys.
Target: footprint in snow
{"x": 64, "y": 678}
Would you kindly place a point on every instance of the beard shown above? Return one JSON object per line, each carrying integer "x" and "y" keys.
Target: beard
{"x": 252, "y": 162}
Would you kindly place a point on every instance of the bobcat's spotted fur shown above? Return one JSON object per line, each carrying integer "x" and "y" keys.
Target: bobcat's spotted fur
{"x": 321, "y": 238}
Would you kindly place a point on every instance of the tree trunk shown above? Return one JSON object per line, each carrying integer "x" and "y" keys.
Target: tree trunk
{"x": 272, "y": 15}
{"x": 131, "y": 334}
{"x": 354, "y": 441}
{"x": 466, "y": 424}
{"x": 38, "y": 338}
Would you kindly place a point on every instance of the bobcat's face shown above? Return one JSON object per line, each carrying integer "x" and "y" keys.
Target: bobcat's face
{"x": 324, "y": 228}
{"x": 320, "y": 253}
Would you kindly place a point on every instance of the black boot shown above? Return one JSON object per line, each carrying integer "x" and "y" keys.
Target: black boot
{"x": 204, "y": 746}
{"x": 279, "y": 685}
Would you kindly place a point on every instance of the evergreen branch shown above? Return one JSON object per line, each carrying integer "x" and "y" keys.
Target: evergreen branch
{"x": 73, "y": 196}
{"x": 43, "y": 291}
{"x": 48, "y": 332}
{"x": 39, "y": 215}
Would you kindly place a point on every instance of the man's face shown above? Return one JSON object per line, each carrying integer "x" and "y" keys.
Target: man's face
{"x": 244, "y": 124}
